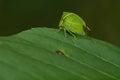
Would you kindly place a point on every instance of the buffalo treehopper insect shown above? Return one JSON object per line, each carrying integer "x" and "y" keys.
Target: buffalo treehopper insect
{"x": 73, "y": 24}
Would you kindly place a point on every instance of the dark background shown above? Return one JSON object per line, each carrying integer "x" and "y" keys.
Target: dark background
{"x": 102, "y": 16}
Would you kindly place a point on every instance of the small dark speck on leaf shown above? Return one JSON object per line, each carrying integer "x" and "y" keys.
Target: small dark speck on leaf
{"x": 59, "y": 52}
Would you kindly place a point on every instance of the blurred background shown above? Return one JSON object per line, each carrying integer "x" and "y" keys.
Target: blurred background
{"x": 102, "y": 16}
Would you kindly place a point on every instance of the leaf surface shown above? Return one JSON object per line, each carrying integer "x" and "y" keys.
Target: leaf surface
{"x": 35, "y": 55}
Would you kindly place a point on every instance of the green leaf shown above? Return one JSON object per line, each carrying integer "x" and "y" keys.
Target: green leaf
{"x": 35, "y": 55}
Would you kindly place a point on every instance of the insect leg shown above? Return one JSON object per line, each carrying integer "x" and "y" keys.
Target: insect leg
{"x": 65, "y": 33}
{"x": 72, "y": 34}
{"x": 58, "y": 30}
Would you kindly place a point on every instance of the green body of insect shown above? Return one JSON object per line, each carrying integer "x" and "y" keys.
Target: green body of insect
{"x": 72, "y": 23}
